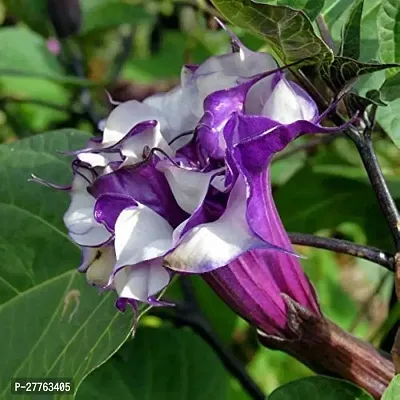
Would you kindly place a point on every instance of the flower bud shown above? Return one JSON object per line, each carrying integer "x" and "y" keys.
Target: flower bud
{"x": 65, "y": 16}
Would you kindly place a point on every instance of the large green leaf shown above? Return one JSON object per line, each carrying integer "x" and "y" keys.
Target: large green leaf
{"x": 54, "y": 323}
{"x": 393, "y": 391}
{"x": 336, "y": 13}
{"x": 351, "y": 35}
{"x": 25, "y": 52}
{"x": 319, "y": 387}
{"x": 159, "y": 364}
{"x": 388, "y": 24}
{"x": 288, "y": 32}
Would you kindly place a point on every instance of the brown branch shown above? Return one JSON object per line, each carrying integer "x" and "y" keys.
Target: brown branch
{"x": 328, "y": 349}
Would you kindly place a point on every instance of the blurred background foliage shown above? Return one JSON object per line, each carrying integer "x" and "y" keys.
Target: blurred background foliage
{"x": 133, "y": 49}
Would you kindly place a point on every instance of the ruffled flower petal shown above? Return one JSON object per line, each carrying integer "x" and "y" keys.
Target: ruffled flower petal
{"x": 189, "y": 187}
{"x": 178, "y": 107}
{"x": 243, "y": 63}
{"x": 142, "y": 281}
{"x": 141, "y": 235}
{"x": 209, "y": 246}
{"x": 79, "y": 218}
{"x": 125, "y": 116}
{"x": 289, "y": 103}
{"x": 109, "y": 206}
{"x": 146, "y": 185}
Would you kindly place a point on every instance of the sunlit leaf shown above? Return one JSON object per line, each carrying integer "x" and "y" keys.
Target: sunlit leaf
{"x": 311, "y": 7}
{"x": 288, "y": 32}
{"x": 389, "y": 119}
{"x": 393, "y": 391}
{"x": 388, "y": 22}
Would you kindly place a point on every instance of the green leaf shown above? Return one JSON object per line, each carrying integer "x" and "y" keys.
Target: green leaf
{"x": 333, "y": 10}
{"x": 351, "y": 33}
{"x": 390, "y": 89}
{"x": 319, "y": 387}
{"x": 32, "y": 12}
{"x": 288, "y": 32}
{"x": 25, "y": 52}
{"x": 163, "y": 363}
{"x": 344, "y": 70}
{"x": 57, "y": 325}
{"x": 271, "y": 369}
{"x": 106, "y": 14}
{"x": 388, "y": 24}
{"x": 389, "y": 119}
{"x": 324, "y": 202}
{"x": 310, "y": 7}
{"x": 393, "y": 390}
{"x": 221, "y": 318}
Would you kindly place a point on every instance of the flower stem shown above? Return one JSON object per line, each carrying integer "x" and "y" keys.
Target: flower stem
{"x": 330, "y": 350}
{"x": 346, "y": 247}
{"x": 385, "y": 199}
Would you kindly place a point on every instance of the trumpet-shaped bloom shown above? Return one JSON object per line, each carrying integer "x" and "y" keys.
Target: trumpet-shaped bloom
{"x": 180, "y": 183}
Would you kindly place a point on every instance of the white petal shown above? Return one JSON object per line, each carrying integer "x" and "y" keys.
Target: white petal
{"x": 207, "y": 84}
{"x": 188, "y": 187}
{"x": 99, "y": 159}
{"x": 258, "y": 95}
{"x": 177, "y": 107}
{"x": 244, "y": 63}
{"x": 141, "y": 235}
{"x": 102, "y": 124}
{"x": 133, "y": 147}
{"x": 219, "y": 182}
{"x": 101, "y": 268}
{"x": 88, "y": 255}
{"x": 96, "y": 236}
{"x": 79, "y": 218}
{"x": 124, "y": 117}
{"x": 141, "y": 281}
{"x": 285, "y": 105}
{"x": 186, "y": 75}
{"x": 213, "y": 245}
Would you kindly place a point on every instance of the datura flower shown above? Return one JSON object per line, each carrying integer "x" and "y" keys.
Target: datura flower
{"x": 180, "y": 183}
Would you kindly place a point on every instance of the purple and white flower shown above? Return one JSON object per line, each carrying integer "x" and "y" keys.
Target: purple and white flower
{"x": 180, "y": 183}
